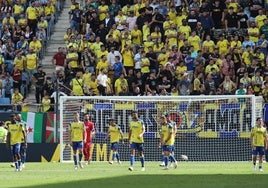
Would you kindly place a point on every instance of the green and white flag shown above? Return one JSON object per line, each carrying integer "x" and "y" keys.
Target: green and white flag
{"x": 34, "y": 122}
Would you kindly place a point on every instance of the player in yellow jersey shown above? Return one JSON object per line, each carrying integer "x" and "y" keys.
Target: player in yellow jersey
{"x": 77, "y": 135}
{"x": 167, "y": 138}
{"x": 135, "y": 138}
{"x": 258, "y": 139}
{"x": 23, "y": 148}
{"x": 115, "y": 134}
{"x": 14, "y": 135}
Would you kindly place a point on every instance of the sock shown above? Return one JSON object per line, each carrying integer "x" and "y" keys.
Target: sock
{"x": 260, "y": 165}
{"x": 19, "y": 163}
{"x": 23, "y": 159}
{"x": 142, "y": 161}
{"x": 132, "y": 160}
{"x": 75, "y": 160}
{"x": 163, "y": 158}
{"x": 166, "y": 161}
{"x": 254, "y": 163}
{"x": 80, "y": 157}
{"x": 113, "y": 156}
{"x": 172, "y": 158}
{"x": 117, "y": 156}
{"x": 16, "y": 165}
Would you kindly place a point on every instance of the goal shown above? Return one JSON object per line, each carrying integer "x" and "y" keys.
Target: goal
{"x": 210, "y": 128}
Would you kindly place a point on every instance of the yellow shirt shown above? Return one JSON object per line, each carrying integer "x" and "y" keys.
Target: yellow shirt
{"x": 259, "y": 135}
{"x": 36, "y": 45}
{"x": 46, "y": 104}
{"x": 101, "y": 53}
{"x": 128, "y": 58}
{"x": 172, "y": 16}
{"x": 195, "y": 42}
{"x": 259, "y": 20}
{"x": 246, "y": 58}
{"x": 104, "y": 8}
{"x": 180, "y": 70}
{"x": 115, "y": 132}
{"x": 136, "y": 127}
{"x": 96, "y": 47}
{"x": 137, "y": 7}
{"x": 31, "y": 13}
{"x": 31, "y": 61}
{"x": 185, "y": 30}
{"x": 172, "y": 40}
{"x": 120, "y": 84}
{"x": 102, "y": 64}
{"x": 166, "y": 130}
{"x": 77, "y": 86}
{"x": 145, "y": 63}
{"x": 77, "y": 131}
{"x": 18, "y": 9}
{"x": 19, "y": 62}
{"x": 15, "y": 131}
{"x": 49, "y": 10}
{"x": 210, "y": 44}
{"x": 163, "y": 58}
{"x": 10, "y": 21}
{"x": 86, "y": 78}
{"x": 136, "y": 36}
{"x": 17, "y": 98}
{"x": 253, "y": 30}
{"x": 223, "y": 46}
{"x": 93, "y": 87}
{"x": 73, "y": 63}
{"x": 145, "y": 32}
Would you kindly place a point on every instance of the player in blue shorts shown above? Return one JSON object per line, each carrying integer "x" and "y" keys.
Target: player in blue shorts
{"x": 77, "y": 136}
{"x": 115, "y": 134}
{"x": 135, "y": 138}
{"x": 258, "y": 140}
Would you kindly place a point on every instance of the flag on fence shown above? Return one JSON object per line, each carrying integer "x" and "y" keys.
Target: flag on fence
{"x": 34, "y": 123}
{"x": 50, "y": 127}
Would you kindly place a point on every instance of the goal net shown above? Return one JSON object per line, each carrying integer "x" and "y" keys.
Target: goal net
{"x": 210, "y": 128}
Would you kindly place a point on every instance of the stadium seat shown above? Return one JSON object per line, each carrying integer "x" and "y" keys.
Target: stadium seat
{"x": 4, "y": 101}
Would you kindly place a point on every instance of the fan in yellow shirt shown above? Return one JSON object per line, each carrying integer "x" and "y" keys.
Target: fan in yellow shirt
{"x": 36, "y": 45}
{"x": 209, "y": 44}
{"x": 223, "y": 45}
{"x": 103, "y": 63}
{"x": 46, "y": 102}
{"x": 72, "y": 58}
{"x": 195, "y": 41}
{"x": 103, "y": 9}
{"x": 136, "y": 36}
{"x": 163, "y": 57}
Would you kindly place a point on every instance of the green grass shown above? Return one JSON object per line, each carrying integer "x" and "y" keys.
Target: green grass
{"x": 101, "y": 174}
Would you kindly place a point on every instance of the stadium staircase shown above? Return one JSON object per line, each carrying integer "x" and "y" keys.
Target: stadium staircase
{"x": 56, "y": 40}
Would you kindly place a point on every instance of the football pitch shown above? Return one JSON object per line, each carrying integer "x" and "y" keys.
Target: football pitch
{"x": 102, "y": 175}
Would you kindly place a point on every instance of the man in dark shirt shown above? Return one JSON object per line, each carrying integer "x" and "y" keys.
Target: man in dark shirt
{"x": 39, "y": 79}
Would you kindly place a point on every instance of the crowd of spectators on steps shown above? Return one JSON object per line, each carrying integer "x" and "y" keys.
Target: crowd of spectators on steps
{"x": 160, "y": 47}
{"x": 25, "y": 29}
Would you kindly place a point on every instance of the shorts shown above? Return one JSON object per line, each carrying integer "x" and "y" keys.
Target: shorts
{"x": 137, "y": 146}
{"x": 77, "y": 145}
{"x": 114, "y": 146}
{"x": 168, "y": 148}
{"x": 23, "y": 148}
{"x": 15, "y": 148}
{"x": 258, "y": 150}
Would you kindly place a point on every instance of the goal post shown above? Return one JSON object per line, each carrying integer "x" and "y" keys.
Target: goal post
{"x": 210, "y": 128}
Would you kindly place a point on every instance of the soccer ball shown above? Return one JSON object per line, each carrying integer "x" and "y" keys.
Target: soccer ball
{"x": 184, "y": 157}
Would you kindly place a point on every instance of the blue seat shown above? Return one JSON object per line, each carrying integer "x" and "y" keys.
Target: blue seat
{"x": 4, "y": 101}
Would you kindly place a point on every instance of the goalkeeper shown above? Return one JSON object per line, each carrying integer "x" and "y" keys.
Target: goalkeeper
{"x": 115, "y": 133}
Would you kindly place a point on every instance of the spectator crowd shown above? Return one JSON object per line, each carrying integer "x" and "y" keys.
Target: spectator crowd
{"x": 25, "y": 28}
{"x": 143, "y": 48}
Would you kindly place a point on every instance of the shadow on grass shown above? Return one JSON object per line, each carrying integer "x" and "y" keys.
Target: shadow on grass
{"x": 166, "y": 181}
